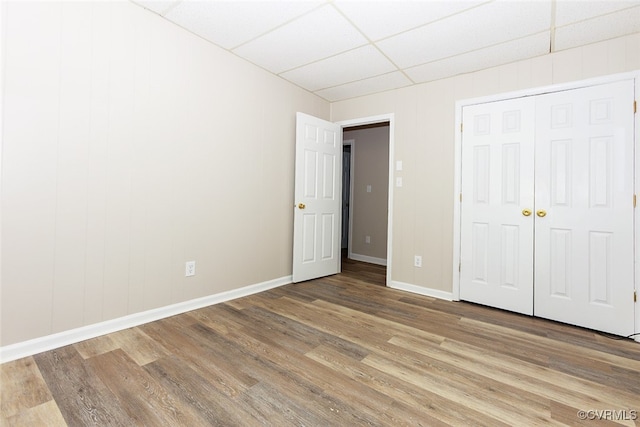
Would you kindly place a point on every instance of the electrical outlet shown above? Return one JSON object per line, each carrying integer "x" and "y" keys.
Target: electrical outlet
{"x": 417, "y": 261}
{"x": 190, "y": 268}
{"x": 367, "y": 239}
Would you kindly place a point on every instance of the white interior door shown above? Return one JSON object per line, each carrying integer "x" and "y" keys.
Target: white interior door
{"x": 496, "y": 255}
{"x": 584, "y": 245}
{"x": 316, "y": 227}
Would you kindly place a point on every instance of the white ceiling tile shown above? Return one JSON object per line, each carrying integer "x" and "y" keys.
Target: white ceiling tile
{"x": 322, "y": 33}
{"x": 231, "y": 23}
{"x": 157, "y": 6}
{"x": 379, "y": 19}
{"x": 477, "y": 28}
{"x": 568, "y": 11}
{"x": 325, "y": 46}
{"x": 598, "y": 29}
{"x": 382, "y": 83}
{"x": 341, "y": 69}
{"x": 504, "y": 53}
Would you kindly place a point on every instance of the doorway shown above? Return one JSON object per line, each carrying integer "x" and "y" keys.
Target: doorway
{"x": 317, "y": 193}
{"x": 346, "y": 193}
{"x": 366, "y": 194}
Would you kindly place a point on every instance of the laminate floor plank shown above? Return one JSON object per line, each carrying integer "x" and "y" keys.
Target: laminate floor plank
{"x": 481, "y": 397}
{"x": 202, "y": 357}
{"x": 556, "y": 347}
{"x": 289, "y": 334}
{"x": 143, "y": 398}
{"x": 422, "y": 400}
{"x": 291, "y": 391}
{"x": 308, "y": 372}
{"x": 96, "y": 346}
{"x": 336, "y": 351}
{"x": 625, "y": 380}
{"x": 46, "y": 414}
{"x": 540, "y": 383}
{"x": 81, "y": 396}
{"x": 139, "y": 346}
{"x": 541, "y": 380}
{"x": 187, "y": 385}
{"x": 22, "y": 387}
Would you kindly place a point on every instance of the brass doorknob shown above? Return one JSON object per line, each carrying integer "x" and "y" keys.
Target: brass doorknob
{"x": 301, "y": 206}
{"x": 541, "y": 213}
{"x": 526, "y": 212}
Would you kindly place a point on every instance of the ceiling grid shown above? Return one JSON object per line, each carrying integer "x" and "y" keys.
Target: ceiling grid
{"x": 340, "y": 49}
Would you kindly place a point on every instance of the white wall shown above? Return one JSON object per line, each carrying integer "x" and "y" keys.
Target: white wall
{"x": 130, "y": 146}
{"x": 425, "y": 139}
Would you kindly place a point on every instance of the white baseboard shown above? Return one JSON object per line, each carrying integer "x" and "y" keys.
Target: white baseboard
{"x": 435, "y": 293}
{"x": 72, "y": 336}
{"x": 369, "y": 259}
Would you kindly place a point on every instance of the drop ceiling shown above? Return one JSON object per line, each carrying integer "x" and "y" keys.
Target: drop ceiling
{"x": 345, "y": 49}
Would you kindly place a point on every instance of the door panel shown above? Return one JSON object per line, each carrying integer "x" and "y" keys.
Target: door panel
{"x": 316, "y": 242}
{"x": 584, "y": 245}
{"x": 497, "y": 184}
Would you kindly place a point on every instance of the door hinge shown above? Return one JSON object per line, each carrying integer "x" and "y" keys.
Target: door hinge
{"x": 635, "y": 296}
{"x": 459, "y": 266}
{"x": 460, "y": 197}
{"x": 635, "y": 106}
{"x": 460, "y": 127}
{"x": 634, "y": 200}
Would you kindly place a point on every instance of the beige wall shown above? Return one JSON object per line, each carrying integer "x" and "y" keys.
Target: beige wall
{"x": 370, "y": 153}
{"x": 129, "y": 147}
{"x": 424, "y": 142}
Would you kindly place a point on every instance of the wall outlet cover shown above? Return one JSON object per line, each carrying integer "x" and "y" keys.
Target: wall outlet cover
{"x": 190, "y": 269}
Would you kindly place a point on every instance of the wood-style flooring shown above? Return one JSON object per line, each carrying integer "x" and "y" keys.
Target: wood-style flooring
{"x": 337, "y": 351}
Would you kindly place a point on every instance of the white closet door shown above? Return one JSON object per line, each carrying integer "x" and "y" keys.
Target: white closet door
{"x": 584, "y": 247}
{"x": 497, "y": 187}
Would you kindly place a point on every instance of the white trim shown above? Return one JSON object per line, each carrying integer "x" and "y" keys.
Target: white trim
{"x": 532, "y": 92}
{"x": 457, "y": 191}
{"x": 49, "y": 342}
{"x": 369, "y": 259}
{"x": 3, "y": 49}
{"x": 636, "y": 217}
{"x": 428, "y": 292}
{"x": 558, "y": 87}
{"x": 390, "y": 117}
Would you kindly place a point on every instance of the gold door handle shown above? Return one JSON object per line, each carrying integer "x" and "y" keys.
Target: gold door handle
{"x": 301, "y": 206}
{"x": 541, "y": 213}
{"x": 526, "y": 212}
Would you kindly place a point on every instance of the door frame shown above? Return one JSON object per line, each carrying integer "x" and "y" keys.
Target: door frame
{"x": 351, "y": 143}
{"x": 382, "y": 118}
{"x": 532, "y": 92}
